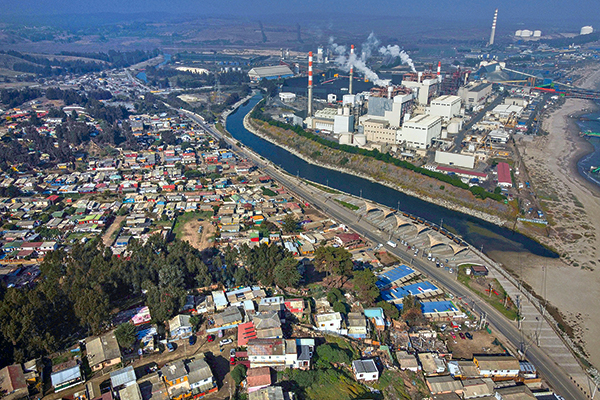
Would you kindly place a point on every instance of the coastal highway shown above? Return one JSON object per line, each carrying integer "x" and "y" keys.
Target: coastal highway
{"x": 556, "y": 377}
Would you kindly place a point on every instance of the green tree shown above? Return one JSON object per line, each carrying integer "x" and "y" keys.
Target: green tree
{"x": 335, "y": 295}
{"x": 364, "y": 285}
{"x": 333, "y": 354}
{"x": 238, "y": 374}
{"x": 125, "y": 334}
{"x": 286, "y": 273}
{"x": 340, "y": 307}
{"x": 333, "y": 261}
{"x": 411, "y": 310}
{"x": 390, "y": 310}
{"x": 289, "y": 224}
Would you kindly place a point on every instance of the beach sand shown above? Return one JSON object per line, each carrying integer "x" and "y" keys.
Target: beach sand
{"x": 572, "y": 204}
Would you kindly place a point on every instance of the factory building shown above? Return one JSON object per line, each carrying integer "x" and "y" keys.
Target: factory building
{"x": 322, "y": 120}
{"x": 273, "y": 72}
{"x": 446, "y": 107}
{"x": 419, "y": 131}
{"x": 455, "y": 159}
{"x": 475, "y": 95}
{"x": 425, "y": 85}
{"x": 380, "y": 130}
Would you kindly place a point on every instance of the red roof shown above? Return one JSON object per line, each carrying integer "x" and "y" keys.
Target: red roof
{"x": 259, "y": 377}
{"x": 246, "y": 331}
{"x": 504, "y": 173}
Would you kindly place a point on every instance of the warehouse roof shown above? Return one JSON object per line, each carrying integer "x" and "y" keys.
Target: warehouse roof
{"x": 504, "y": 173}
{"x": 271, "y": 71}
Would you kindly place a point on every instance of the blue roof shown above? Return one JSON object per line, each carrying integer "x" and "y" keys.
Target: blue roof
{"x": 122, "y": 376}
{"x": 389, "y": 277}
{"x": 438, "y": 306}
{"x": 412, "y": 290}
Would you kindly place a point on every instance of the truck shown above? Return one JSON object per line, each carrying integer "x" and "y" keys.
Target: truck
{"x": 392, "y": 244}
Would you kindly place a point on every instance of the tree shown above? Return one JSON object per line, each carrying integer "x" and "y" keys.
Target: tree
{"x": 411, "y": 310}
{"x": 334, "y": 261}
{"x": 125, "y": 334}
{"x": 335, "y": 295}
{"x": 333, "y": 354}
{"x": 289, "y": 224}
{"x": 390, "y": 310}
{"x": 364, "y": 285}
{"x": 286, "y": 273}
{"x": 340, "y": 307}
{"x": 239, "y": 374}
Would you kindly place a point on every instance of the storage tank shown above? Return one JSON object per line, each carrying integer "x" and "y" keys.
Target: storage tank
{"x": 518, "y": 33}
{"x": 526, "y": 33}
{"x": 360, "y": 139}
{"x": 586, "y": 30}
{"x": 537, "y": 33}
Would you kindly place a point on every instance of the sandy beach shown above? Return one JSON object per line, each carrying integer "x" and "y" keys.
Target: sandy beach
{"x": 571, "y": 283}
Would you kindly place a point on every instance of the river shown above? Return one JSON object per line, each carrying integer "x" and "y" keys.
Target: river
{"x": 474, "y": 230}
{"x": 590, "y": 122}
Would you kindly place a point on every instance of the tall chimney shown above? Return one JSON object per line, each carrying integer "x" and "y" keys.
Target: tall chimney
{"x": 439, "y": 71}
{"x": 390, "y": 89}
{"x": 419, "y": 76}
{"x": 351, "y": 69}
{"x": 310, "y": 83}
{"x": 492, "y": 36}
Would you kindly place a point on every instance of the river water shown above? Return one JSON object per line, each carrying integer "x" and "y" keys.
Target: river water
{"x": 475, "y": 231}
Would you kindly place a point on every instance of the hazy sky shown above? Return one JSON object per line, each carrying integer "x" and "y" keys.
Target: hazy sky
{"x": 573, "y": 10}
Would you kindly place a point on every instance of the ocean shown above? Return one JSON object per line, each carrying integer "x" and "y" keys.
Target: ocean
{"x": 590, "y": 122}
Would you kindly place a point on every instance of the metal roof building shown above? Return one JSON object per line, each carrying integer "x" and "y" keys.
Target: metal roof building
{"x": 272, "y": 72}
{"x": 398, "y": 274}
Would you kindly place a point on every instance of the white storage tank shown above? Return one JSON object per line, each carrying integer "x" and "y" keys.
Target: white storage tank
{"x": 526, "y": 33}
{"x": 537, "y": 33}
{"x": 331, "y": 98}
{"x": 586, "y": 30}
{"x": 519, "y": 33}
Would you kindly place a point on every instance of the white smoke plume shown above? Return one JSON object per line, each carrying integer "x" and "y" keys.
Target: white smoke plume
{"x": 344, "y": 61}
{"x": 394, "y": 51}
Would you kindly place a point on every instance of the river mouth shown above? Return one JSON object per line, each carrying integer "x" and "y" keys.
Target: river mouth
{"x": 481, "y": 234}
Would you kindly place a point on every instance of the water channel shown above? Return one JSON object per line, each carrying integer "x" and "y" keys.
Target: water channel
{"x": 474, "y": 230}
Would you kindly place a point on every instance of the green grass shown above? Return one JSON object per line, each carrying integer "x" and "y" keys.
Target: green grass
{"x": 343, "y": 388}
{"x": 268, "y": 192}
{"x": 495, "y": 301}
{"x": 323, "y": 188}
{"x": 391, "y": 383}
{"x": 187, "y": 217}
{"x": 347, "y": 205}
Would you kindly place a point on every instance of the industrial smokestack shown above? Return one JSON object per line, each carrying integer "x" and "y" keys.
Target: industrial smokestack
{"x": 419, "y": 76}
{"x": 310, "y": 83}
{"x": 439, "y": 71}
{"x": 466, "y": 78}
{"x": 390, "y": 88}
{"x": 492, "y": 36}
{"x": 351, "y": 70}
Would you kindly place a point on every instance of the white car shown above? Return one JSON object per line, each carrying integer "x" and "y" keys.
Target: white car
{"x": 225, "y": 341}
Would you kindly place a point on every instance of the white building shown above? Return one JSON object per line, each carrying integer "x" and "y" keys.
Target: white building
{"x": 343, "y": 122}
{"x": 273, "y": 353}
{"x": 419, "y": 131}
{"x": 379, "y": 130}
{"x": 455, "y": 159}
{"x": 365, "y": 370}
{"x": 287, "y": 97}
{"x": 423, "y": 88}
{"x": 475, "y": 95}
{"x": 446, "y": 107}
{"x": 329, "y": 322}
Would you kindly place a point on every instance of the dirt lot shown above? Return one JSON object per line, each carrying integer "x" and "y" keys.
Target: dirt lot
{"x": 189, "y": 232}
{"x": 482, "y": 343}
{"x": 108, "y": 238}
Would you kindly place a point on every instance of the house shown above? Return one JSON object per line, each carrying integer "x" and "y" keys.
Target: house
{"x": 407, "y": 361}
{"x": 180, "y": 327}
{"x": 431, "y": 364}
{"x": 12, "y": 383}
{"x": 521, "y": 392}
{"x": 348, "y": 240}
{"x": 444, "y": 384}
{"x": 271, "y": 304}
{"x": 276, "y": 353}
{"x": 269, "y": 393}
{"x": 329, "y": 322}
{"x": 103, "y": 351}
{"x": 365, "y": 370}
{"x": 176, "y": 380}
{"x": 306, "y": 347}
{"x": 497, "y": 367}
{"x": 231, "y": 317}
{"x": 473, "y": 388}
{"x": 66, "y": 375}
{"x": 258, "y": 378}
{"x": 122, "y": 377}
{"x": 294, "y": 306}
{"x": 357, "y": 325}
{"x": 130, "y": 392}
{"x": 267, "y": 325}
{"x": 200, "y": 378}
{"x": 246, "y": 331}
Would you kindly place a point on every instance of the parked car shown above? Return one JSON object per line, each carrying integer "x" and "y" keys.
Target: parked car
{"x": 469, "y": 336}
{"x": 462, "y": 335}
{"x": 231, "y": 360}
{"x": 192, "y": 340}
{"x": 453, "y": 335}
{"x": 211, "y": 338}
{"x": 225, "y": 341}
{"x": 232, "y": 352}
{"x": 170, "y": 347}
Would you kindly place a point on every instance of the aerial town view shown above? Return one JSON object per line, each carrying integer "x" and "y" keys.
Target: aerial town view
{"x": 309, "y": 200}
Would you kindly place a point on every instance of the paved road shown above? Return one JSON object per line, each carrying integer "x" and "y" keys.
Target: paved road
{"x": 461, "y": 135}
{"x": 553, "y": 373}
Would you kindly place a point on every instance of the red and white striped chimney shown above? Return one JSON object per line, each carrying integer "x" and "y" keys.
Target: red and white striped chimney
{"x": 351, "y": 69}
{"x": 310, "y": 82}
{"x": 439, "y": 70}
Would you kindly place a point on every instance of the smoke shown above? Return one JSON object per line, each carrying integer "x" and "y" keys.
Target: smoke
{"x": 394, "y": 51}
{"x": 345, "y": 62}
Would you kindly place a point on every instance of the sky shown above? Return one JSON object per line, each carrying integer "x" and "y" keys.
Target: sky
{"x": 578, "y": 11}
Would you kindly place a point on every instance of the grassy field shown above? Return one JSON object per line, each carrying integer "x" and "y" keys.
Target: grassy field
{"x": 496, "y": 301}
{"x": 187, "y": 217}
{"x": 323, "y": 188}
{"x": 347, "y": 205}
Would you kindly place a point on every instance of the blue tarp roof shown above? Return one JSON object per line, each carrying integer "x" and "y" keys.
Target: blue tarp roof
{"x": 413, "y": 290}
{"x": 391, "y": 276}
{"x": 438, "y": 306}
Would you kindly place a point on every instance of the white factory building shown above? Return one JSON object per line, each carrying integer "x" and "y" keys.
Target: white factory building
{"x": 419, "y": 131}
{"x": 446, "y": 107}
{"x": 332, "y": 120}
{"x": 273, "y": 72}
{"x": 378, "y": 129}
{"x": 475, "y": 95}
{"x": 424, "y": 88}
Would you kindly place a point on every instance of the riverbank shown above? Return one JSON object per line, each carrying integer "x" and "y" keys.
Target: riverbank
{"x": 571, "y": 283}
{"x": 440, "y": 202}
